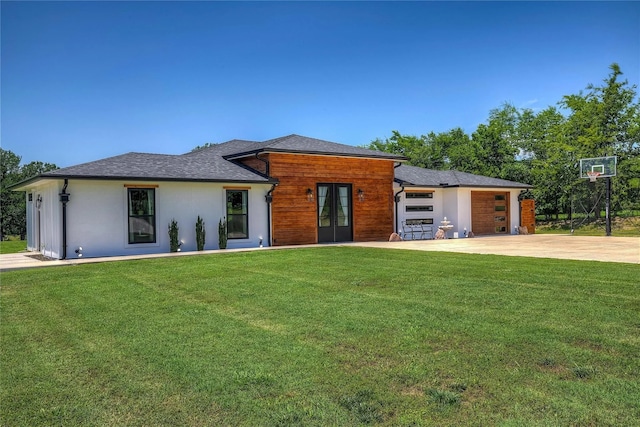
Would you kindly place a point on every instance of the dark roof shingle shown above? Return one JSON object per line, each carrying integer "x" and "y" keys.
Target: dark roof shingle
{"x": 160, "y": 167}
{"x": 420, "y": 177}
{"x": 305, "y": 145}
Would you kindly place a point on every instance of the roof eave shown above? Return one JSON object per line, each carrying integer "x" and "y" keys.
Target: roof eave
{"x": 313, "y": 153}
{"x": 24, "y": 184}
{"x": 409, "y": 184}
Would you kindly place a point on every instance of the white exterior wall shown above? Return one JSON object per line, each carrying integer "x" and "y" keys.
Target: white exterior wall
{"x": 455, "y": 204}
{"x": 452, "y": 202}
{"x": 97, "y": 216}
{"x": 30, "y": 219}
{"x": 514, "y": 209}
{"x": 44, "y": 230}
{"x": 463, "y": 217}
{"x": 403, "y": 215}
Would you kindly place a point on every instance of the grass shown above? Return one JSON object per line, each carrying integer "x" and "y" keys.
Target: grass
{"x": 12, "y": 246}
{"x": 322, "y": 336}
{"x": 620, "y": 227}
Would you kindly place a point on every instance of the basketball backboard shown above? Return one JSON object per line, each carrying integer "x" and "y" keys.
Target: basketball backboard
{"x": 605, "y": 166}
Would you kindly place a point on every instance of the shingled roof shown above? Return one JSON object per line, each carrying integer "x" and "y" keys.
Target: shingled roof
{"x": 420, "y": 177}
{"x": 210, "y": 164}
{"x": 163, "y": 167}
{"x": 304, "y": 145}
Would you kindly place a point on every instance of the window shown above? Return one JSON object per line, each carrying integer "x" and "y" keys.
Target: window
{"x": 425, "y": 208}
{"x": 142, "y": 215}
{"x": 419, "y": 195}
{"x": 499, "y": 197}
{"x": 421, "y": 221}
{"x": 501, "y": 208}
{"x": 237, "y": 214}
{"x": 343, "y": 206}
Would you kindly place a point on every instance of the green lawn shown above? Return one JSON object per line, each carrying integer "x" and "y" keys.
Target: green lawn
{"x": 12, "y": 246}
{"x": 322, "y": 336}
{"x": 620, "y": 227}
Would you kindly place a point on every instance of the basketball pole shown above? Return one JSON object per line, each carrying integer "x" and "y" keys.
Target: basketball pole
{"x": 608, "y": 207}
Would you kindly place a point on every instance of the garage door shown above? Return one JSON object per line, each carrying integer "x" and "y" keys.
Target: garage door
{"x": 489, "y": 212}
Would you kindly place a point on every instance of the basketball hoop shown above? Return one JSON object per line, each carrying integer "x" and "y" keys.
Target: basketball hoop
{"x": 593, "y": 175}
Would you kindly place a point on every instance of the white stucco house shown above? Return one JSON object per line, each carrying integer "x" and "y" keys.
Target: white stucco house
{"x": 123, "y": 205}
{"x": 470, "y": 203}
{"x": 289, "y": 190}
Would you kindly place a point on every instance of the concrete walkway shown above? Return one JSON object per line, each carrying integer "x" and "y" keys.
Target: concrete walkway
{"x": 608, "y": 249}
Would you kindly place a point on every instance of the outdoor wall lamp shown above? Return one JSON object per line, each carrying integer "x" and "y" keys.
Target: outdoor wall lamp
{"x": 361, "y": 194}
{"x": 39, "y": 201}
{"x": 79, "y": 251}
{"x": 309, "y": 194}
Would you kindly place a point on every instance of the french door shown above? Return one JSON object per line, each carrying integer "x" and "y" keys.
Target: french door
{"x": 334, "y": 213}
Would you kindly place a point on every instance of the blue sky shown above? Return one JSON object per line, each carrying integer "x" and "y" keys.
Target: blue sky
{"x": 87, "y": 80}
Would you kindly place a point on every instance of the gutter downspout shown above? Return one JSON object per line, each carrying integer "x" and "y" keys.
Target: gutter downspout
{"x": 269, "y": 198}
{"x": 64, "y": 198}
{"x": 396, "y": 198}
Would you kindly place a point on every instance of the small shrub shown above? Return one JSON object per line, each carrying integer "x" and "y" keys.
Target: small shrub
{"x": 584, "y": 372}
{"x": 547, "y": 362}
{"x": 458, "y": 387}
{"x": 445, "y": 397}
{"x": 174, "y": 243}
{"x": 222, "y": 233}
{"x": 364, "y": 406}
{"x": 252, "y": 379}
{"x": 200, "y": 234}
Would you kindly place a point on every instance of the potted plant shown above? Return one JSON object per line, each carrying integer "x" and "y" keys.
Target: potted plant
{"x": 174, "y": 243}
{"x": 200, "y": 234}
{"x": 222, "y": 233}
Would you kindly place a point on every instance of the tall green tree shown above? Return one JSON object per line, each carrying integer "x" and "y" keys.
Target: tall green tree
{"x": 10, "y": 202}
{"x": 605, "y": 121}
{"x": 412, "y": 147}
{"x": 455, "y": 150}
{"x": 499, "y": 143}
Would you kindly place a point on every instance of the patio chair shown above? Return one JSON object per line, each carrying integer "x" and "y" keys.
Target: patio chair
{"x": 427, "y": 230}
{"x": 412, "y": 230}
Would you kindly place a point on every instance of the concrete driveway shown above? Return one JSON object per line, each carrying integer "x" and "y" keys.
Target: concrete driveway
{"x": 608, "y": 249}
{"x": 592, "y": 248}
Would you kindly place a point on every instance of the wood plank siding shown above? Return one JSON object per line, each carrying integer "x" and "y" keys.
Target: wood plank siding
{"x": 528, "y": 215}
{"x": 295, "y": 218}
{"x": 490, "y": 212}
{"x": 256, "y": 163}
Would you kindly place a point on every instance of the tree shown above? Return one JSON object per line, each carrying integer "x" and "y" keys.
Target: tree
{"x": 410, "y": 146}
{"x": 460, "y": 152}
{"x": 498, "y": 142}
{"x": 11, "y": 202}
{"x": 205, "y": 145}
{"x": 445, "y": 150}
{"x": 605, "y": 121}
